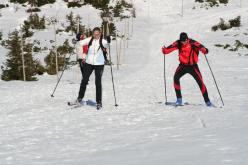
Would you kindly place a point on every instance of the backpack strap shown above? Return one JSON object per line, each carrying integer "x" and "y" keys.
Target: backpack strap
{"x": 103, "y": 49}
{"x": 90, "y": 43}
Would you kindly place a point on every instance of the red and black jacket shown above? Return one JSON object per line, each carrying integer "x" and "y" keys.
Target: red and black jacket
{"x": 188, "y": 54}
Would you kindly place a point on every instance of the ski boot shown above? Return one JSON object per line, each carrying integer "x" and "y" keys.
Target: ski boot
{"x": 99, "y": 106}
{"x": 209, "y": 104}
{"x": 79, "y": 101}
{"x": 179, "y": 102}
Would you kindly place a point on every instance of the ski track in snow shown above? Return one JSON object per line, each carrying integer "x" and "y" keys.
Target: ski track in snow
{"x": 38, "y": 129}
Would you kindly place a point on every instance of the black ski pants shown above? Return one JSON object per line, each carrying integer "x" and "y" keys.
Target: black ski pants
{"x": 194, "y": 71}
{"x": 80, "y": 61}
{"x": 88, "y": 69}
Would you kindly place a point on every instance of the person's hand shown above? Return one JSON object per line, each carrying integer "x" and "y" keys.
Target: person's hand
{"x": 164, "y": 50}
{"x": 83, "y": 61}
{"x": 107, "y": 62}
{"x": 206, "y": 51}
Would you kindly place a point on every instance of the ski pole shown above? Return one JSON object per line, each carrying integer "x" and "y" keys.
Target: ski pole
{"x": 111, "y": 69}
{"x": 214, "y": 79}
{"x": 165, "y": 91}
{"x": 52, "y": 95}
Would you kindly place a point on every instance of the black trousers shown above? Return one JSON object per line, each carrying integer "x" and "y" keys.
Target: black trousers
{"x": 88, "y": 69}
{"x": 194, "y": 71}
{"x": 80, "y": 61}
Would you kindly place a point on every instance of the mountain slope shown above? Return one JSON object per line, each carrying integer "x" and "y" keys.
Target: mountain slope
{"x": 37, "y": 129}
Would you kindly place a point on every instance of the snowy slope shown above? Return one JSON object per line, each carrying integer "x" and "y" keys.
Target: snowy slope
{"x": 12, "y": 19}
{"x": 37, "y": 129}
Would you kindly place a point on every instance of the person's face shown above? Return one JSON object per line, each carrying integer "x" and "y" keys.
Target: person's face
{"x": 184, "y": 42}
{"x": 96, "y": 34}
{"x": 82, "y": 37}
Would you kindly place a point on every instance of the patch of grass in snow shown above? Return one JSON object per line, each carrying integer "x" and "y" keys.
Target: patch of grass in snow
{"x": 1, "y": 35}
{"x": 211, "y": 3}
{"x": 223, "y": 25}
{"x": 235, "y": 47}
{"x": 3, "y": 6}
{"x": 32, "y": 10}
{"x": 74, "y": 4}
{"x": 37, "y": 3}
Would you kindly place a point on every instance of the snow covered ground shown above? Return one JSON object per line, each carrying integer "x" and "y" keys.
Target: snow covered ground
{"x": 38, "y": 129}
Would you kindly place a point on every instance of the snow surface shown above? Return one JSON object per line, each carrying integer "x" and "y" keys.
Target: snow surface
{"x": 38, "y": 129}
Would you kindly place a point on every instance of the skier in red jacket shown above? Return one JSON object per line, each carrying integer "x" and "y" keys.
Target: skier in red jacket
{"x": 188, "y": 57}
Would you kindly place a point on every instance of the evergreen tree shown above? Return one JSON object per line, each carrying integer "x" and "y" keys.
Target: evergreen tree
{"x": 33, "y": 3}
{"x": 44, "y": 2}
{"x": 36, "y": 22}
{"x": 118, "y": 9}
{"x": 33, "y": 22}
{"x": 1, "y": 35}
{"x": 98, "y": 4}
{"x": 13, "y": 69}
{"x": 112, "y": 28}
{"x": 50, "y": 59}
{"x": 81, "y": 27}
{"x": 72, "y": 23}
{"x": 26, "y": 30}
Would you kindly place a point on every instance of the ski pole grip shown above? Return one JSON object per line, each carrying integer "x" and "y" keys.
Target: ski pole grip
{"x": 108, "y": 39}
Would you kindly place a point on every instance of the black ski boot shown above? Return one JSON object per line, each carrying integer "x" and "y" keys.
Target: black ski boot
{"x": 99, "y": 106}
{"x": 79, "y": 101}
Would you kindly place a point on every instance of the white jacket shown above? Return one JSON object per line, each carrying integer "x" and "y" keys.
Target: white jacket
{"x": 95, "y": 55}
{"x": 79, "y": 51}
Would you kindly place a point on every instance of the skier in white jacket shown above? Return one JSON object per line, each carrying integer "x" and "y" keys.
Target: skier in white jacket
{"x": 94, "y": 61}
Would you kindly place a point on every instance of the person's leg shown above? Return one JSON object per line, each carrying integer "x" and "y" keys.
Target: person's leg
{"x": 98, "y": 82}
{"x": 181, "y": 70}
{"x": 195, "y": 72}
{"x": 81, "y": 66}
{"x": 88, "y": 69}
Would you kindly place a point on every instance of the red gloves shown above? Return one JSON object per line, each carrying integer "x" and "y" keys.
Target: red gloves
{"x": 164, "y": 50}
{"x": 206, "y": 51}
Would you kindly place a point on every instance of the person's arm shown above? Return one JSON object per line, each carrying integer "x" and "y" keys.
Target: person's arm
{"x": 200, "y": 47}
{"x": 78, "y": 51}
{"x": 105, "y": 43}
{"x": 106, "y": 46}
{"x": 84, "y": 41}
{"x": 171, "y": 48}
